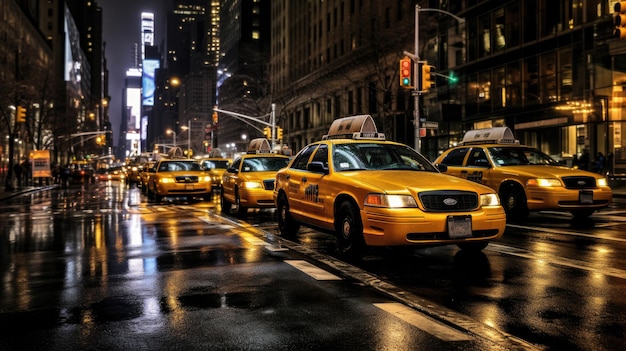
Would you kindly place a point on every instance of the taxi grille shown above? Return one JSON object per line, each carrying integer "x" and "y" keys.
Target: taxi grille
{"x": 579, "y": 182}
{"x": 186, "y": 179}
{"x": 450, "y": 200}
{"x": 268, "y": 184}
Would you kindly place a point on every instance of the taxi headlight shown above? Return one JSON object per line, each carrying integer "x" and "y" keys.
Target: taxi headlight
{"x": 252, "y": 185}
{"x": 166, "y": 180}
{"x": 489, "y": 200}
{"x": 391, "y": 201}
{"x": 602, "y": 182}
{"x": 207, "y": 179}
{"x": 543, "y": 182}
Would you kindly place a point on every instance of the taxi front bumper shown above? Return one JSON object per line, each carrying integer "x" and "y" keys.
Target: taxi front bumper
{"x": 567, "y": 199}
{"x": 411, "y": 226}
{"x": 258, "y": 198}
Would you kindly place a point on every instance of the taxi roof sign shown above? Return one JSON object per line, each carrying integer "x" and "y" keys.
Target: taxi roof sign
{"x": 354, "y": 127}
{"x": 259, "y": 146}
{"x": 497, "y": 135}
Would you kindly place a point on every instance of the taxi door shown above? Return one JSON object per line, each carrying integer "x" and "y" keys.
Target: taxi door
{"x": 313, "y": 201}
{"x": 477, "y": 167}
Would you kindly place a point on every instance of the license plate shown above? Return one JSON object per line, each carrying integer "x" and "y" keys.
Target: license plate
{"x": 459, "y": 227}
{"x": 586, "y": 197}
{"x": 188, "y": 187}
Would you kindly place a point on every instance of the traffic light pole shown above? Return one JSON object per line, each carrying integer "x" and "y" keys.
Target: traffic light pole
{"x": 417, "y": 80}
{"x": 244, "y": 119}
{"x": 416, "y": 72}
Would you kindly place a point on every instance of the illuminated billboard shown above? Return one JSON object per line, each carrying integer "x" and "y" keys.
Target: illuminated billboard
{"x": 149, "y": 71}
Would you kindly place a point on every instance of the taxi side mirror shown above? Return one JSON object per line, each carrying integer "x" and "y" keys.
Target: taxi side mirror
{"x": 232, "y": 170}
{"x": 442, "y": 167}
{"x": 317, "y": 167}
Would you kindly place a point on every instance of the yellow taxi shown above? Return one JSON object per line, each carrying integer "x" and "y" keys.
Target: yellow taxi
{"x": 216, "y": 166}
{"x": 178, "y": 178}
{"x": 249, "y": 181}
{"x": 374, "y": 192}
{"x": 525, "y": 178}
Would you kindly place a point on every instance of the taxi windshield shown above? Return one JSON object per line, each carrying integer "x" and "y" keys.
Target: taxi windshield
{"x": 177, "y": 166}
{"x": 262, "y": 164}
{"x": 378, "y": 156}
{"x": 212, "y": 164}
{"x": 513, "y": 156}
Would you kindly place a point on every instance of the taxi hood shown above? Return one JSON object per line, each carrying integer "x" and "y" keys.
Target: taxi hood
{"x": 403, "y": 181}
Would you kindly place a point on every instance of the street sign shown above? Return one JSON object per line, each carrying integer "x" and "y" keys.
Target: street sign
{"x": 430, "y": 125}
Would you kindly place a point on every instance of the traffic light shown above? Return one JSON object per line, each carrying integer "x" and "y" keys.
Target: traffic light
{"x": 453, "y": 78}
{"x": 406, "y": 73}
{"x": 215, "y": 117}
{"x": 267, "y": 132}
{"x": 620, "y": 20}
{"x": 279, "y": 132}
{"x": 427, "y": 78}
{"x": 20, "y": 114}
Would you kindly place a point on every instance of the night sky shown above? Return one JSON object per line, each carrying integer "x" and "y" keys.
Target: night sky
{"x": 122, "y": 27}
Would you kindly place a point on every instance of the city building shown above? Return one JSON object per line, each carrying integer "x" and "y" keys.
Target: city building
{"x": 243, "y": 72}
{"x": 186, "y": 85}
{"x": 552, "y": 71}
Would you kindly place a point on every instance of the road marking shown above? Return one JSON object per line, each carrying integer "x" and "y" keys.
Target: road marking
{"x": 312, "y": 270}
{"x": 565, "y": 262}
{"x": 423, "y": 322}
{"x": 565, "y": 232}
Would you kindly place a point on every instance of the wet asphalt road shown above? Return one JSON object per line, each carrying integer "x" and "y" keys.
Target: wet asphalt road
{"x": 100, "y": 268}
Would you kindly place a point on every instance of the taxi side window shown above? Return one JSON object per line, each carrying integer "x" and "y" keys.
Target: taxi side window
{"x": 455, "y": 157}
{"x": 478, "y": 158}
{"x": 302, "y": 159}
{"x": 321, "y": 155}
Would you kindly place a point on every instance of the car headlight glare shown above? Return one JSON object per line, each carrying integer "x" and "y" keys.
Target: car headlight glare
{"x": 544, "y": 182}
{"x": 167, "y": 180}
{"x": 207, "y": 179}
{"x": 391, "y": 201}
{"x": 252, "y": 185}
{"x": 489, "y": 200}
{"x": 602, "y": 182}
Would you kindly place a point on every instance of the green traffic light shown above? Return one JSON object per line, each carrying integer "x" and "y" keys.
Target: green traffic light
{"x": 406, "y": 82}
{"x": 453, "y": 78}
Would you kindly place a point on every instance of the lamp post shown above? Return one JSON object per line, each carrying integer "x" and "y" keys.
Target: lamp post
{"x": 416, "y": 70}
{"x": 170, "y": 131}
{"x": 188, "y": 128}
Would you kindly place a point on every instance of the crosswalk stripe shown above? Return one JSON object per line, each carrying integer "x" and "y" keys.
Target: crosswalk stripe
{"x": 311, "y": 270}
{"x": 423, "y": 322}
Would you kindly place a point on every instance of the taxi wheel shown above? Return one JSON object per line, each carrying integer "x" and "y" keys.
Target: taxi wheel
{"x": 225, "y": 204}
{"x": 286, "y": 225}
{"x": 514, "y": 201}
{"x": 349, "y": 230}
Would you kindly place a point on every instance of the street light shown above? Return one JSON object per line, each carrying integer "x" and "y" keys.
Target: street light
{"x": 169, "y": 131}
{"x": 188, "y": 128}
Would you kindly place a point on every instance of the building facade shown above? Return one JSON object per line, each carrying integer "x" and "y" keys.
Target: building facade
{"x": 550, "y": 70}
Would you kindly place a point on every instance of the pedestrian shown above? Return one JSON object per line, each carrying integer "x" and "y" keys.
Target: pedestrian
{"x": 599, "y": 163}
{"x": 609, "y": 163}
{"x": 583, "y": 162}
{"x": 18, "y": 170}
{"x": 65, "y": 176}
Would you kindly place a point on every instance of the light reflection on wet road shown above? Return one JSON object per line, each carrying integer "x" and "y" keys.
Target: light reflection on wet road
{"x": 102, "y": 262}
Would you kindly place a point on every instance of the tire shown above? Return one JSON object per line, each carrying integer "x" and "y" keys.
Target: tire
{"x": 513, "y": 200}
{"x": 241, "y": 211}
{"x": 286, "y": 225}
{"x": 225, "y": 204}
{"x": 476, "y": 246}
{"x": 349, "y": 230}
